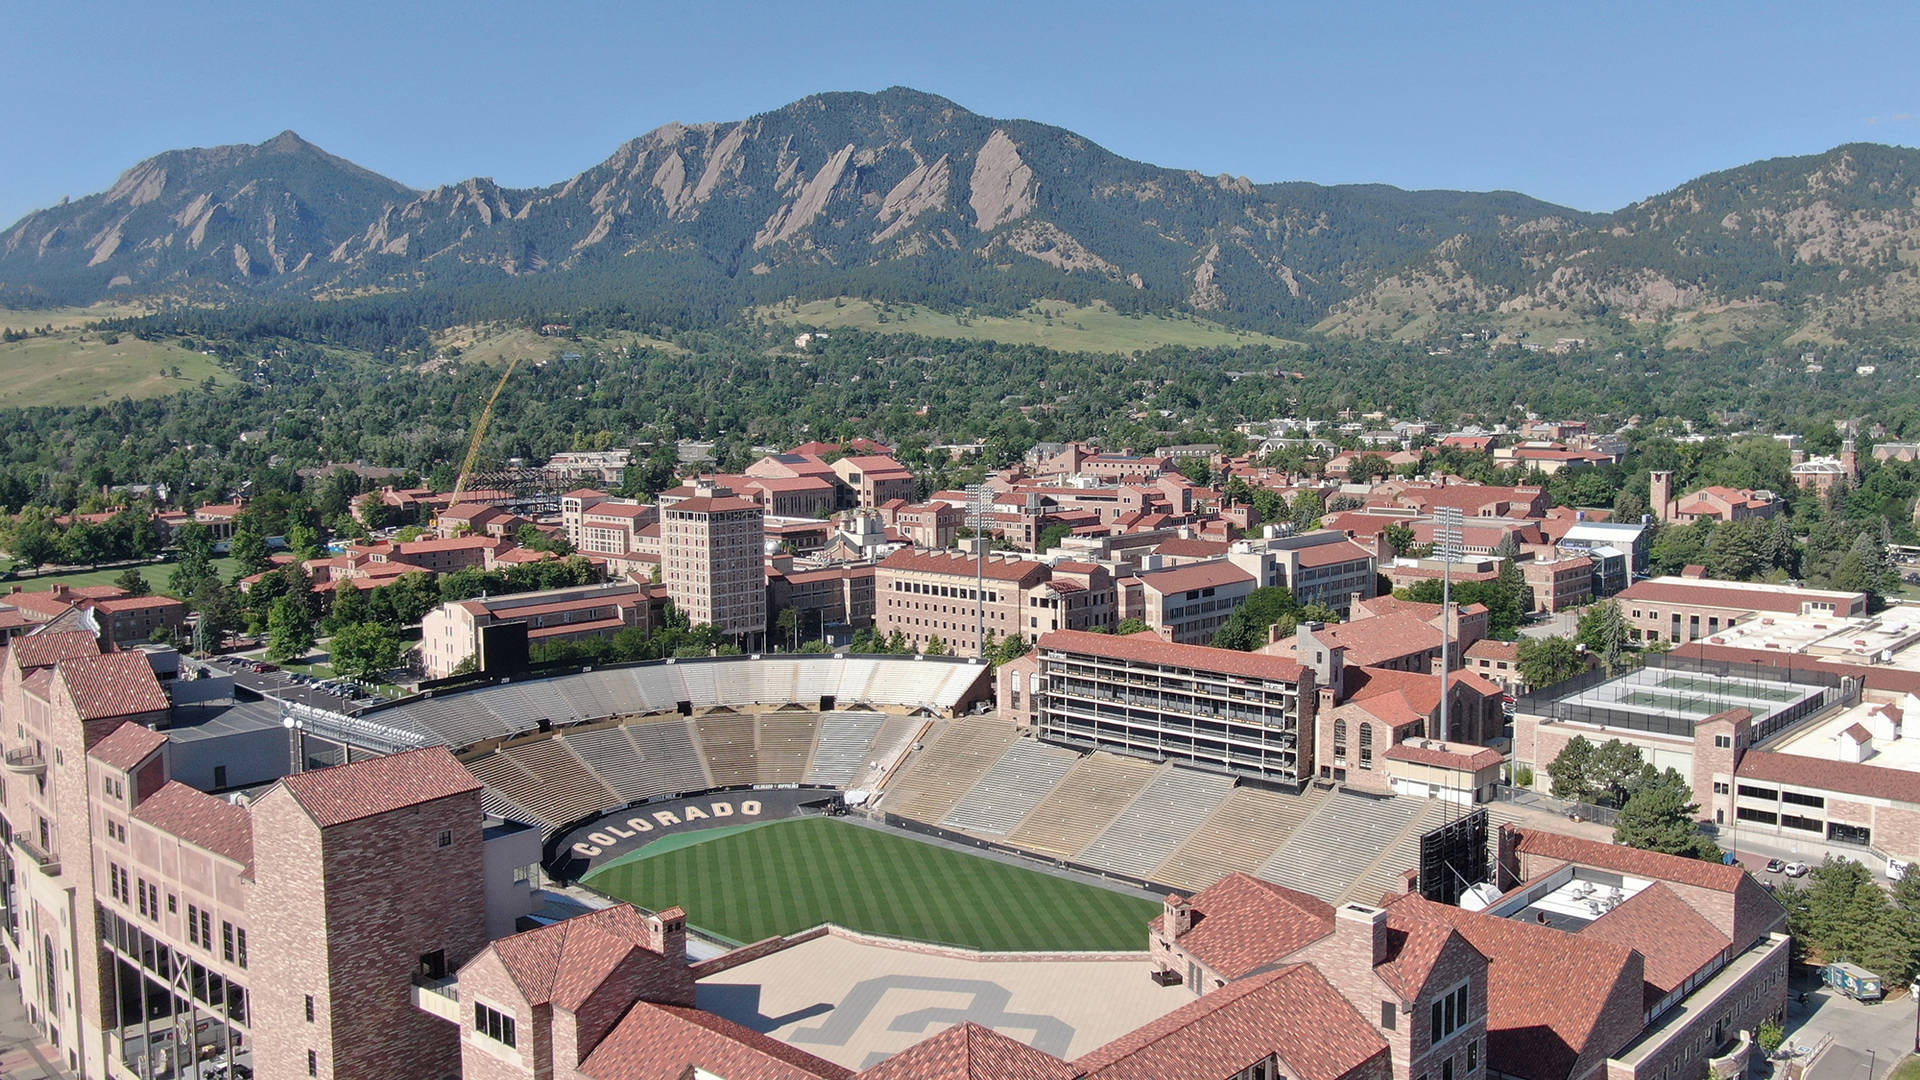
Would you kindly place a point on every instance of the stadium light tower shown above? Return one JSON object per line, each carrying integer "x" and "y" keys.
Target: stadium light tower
{"x": 980, "y": 501}
{"x": 1449, "y": 544}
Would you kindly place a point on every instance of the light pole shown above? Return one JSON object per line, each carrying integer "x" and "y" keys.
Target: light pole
{"x": 981, "y": 498}
{"x": 1448, "y": 544}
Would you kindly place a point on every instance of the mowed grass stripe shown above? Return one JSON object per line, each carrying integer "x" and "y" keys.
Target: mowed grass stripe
{"x": 794, "y": 874}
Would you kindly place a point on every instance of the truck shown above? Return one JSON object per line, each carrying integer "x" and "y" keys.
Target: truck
{"x": 1853, "y": 980}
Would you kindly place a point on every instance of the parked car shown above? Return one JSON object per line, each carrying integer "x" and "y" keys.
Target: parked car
{"x": 1774, "y": 866}
{"x": 1796, "y": 869}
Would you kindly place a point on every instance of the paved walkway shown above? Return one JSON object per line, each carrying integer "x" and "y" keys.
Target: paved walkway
{"x": 24, "y": 1053}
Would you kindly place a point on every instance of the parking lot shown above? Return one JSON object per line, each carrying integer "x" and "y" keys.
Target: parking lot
{"x": 270, "y": 682}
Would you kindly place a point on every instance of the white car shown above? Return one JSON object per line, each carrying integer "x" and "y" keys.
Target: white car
{"x": 1797, "y": 869}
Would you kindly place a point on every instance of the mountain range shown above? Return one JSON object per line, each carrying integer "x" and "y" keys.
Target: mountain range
{"x": 907, "y": 196}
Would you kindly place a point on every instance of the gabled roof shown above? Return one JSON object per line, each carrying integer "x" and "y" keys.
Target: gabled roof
{"x": 362, "y": 789}
{"x": 666, "y": 1042}
{"x": 1022, "y": 571}
{"x": 128, "y": 745}
{"x": 1675, "y": 940}
{"x": 203, "y": 820}
{"x": 1293, "y": 1012}
{"x": 1241, "y": 924}
{"x": 1381, "y": 638}
{"x": 1420, "y": 689}
{"x": 1548, "y": 991}
{"x": 45, "y": 650}
{"x": 1466, "y": 759}
{"x": 968, "y": 1051}
{"x": 114, "y": 684}
{"x": 1629, "y": 860}
{"x": 565, "y": 962}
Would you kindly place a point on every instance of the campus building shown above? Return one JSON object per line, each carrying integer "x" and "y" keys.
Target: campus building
{"x": 713, "y": 563}
{"x": 450, "y": 634}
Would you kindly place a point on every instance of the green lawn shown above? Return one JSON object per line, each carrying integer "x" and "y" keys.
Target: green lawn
{"x": 155, "y": 573}
{"x": 791, "y": 875}
{"x": 1052, "y": 323}
{"x": 1906, "y": 1070}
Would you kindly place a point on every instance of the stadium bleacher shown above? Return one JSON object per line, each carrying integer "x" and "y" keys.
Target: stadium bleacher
{"x": 668, "y": 744}
{"x": 933, "y": 779}
{"x": 1325, "y": 854}
{"x": 1241, "y": 834}
{"x": 729, "y": 745}
{"x": 842, "y": 747}
{"x": 567, "y": 792}
{"x": 1084, "y": 803}
{"x": 1154, "y": 824}
{"x": 1011, "y": 788}
{"x": 786, "y": 746}
{"x": 509, "y": 781}
{"x": 1383, "y": 876}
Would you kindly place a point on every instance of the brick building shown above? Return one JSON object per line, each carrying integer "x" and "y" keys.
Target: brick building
{"x": 451, "y": 632}
{"x": 1683, "y": 609}
{"x": 713, "y": 562}
{"x": 927, "y": 594}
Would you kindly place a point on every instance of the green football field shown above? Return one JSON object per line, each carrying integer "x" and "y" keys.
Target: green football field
{"x": 790, "y": 875}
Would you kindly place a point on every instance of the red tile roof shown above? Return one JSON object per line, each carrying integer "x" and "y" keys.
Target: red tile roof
{"x": 1149, "y": 648}
{"x": 968, "y": 1051}
{"x": 136, "y": 603}
{"x": 116, "y": 684}
{"x": 45, "y": 650}
{"x": 1675, "y": 940}
{"x": 1192, "y": 549}
{"x": 1293, "y": 1013}
{"x": 1333, "y": 554}
{"x": 128, "y": 745}
{"x": 205, "y": 821}
{"x": 711, "y": 504}
{"x": 1241, "y": 924}
{"x": 1485, "y": 757}
{"x": 1713, "y": 594}
{"x": 1548, "y": 992}
{"x": 666, "y": 1042}
{"x": 1207, "y": 575}
{"x": 565, "y": 962}
{"x": 1493, "y": 649}
{"x": 1872, "y": 781}
{"x": 1420, "y": 689}
{"x": 362, "y": 789}
{"x": 1381, "y": 638}
{"x": 1628, "y": 860}
{"x": 1024, "y": 571}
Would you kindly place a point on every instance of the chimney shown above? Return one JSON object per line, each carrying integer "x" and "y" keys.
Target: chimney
{"x": 1360, "y": 933}
{"x": 667, "y": 934}
{"x": 1179, "y": 911}
{"x": 1799, "y": 456}
{"x": 1849, "y": 458}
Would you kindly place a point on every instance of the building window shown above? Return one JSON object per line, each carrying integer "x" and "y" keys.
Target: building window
{"x": 309, "y": 1008}
{"x": 1719, "y": 788}
{"x": 1724, "y": 742}
{"x": 493, "y": 1024}
{"x": 1473, "y": 1055}
{"x": 445, "y": 838}
{"x": 1389, "y": 1015}
{"x": 1449, "y": 1014}
{"x": 313, "y": 1063}
{"x": 226, "y": 940}
{"x": 193, "y": 925}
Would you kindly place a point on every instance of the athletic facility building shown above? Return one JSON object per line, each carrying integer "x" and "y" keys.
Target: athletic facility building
{"x": 362, "y": 899}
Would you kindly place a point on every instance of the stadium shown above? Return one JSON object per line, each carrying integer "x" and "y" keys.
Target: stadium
{"x": 721, "y": 785}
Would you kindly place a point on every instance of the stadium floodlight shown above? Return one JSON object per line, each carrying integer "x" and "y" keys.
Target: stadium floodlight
{"x": 980, "y": 501}
{"x": 1449, "y": 544}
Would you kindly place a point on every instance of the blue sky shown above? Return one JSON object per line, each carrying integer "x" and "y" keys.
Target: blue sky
{"x": 1592, "y": 105}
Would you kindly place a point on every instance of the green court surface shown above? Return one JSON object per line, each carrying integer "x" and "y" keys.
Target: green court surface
{"x": 790, "y": 875}
{"x": 1682, "y": 703}
{"x": 1697, "y": 684}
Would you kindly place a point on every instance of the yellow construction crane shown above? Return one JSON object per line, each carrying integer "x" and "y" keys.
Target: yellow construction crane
{"x": 480, "y": 432}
